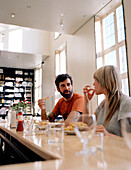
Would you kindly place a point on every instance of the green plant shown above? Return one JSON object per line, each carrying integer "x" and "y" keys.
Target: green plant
{"x": 22, "y": 104}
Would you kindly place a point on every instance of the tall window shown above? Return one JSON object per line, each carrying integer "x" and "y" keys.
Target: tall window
{"x": 60, "y": 65}
{"x": 57, "y": 34}
{"x": 2, "y": 36}
{"x": 38, "y": 87}
{"x": 110, "y": 44}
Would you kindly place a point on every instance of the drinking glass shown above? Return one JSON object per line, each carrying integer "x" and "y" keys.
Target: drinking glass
{"x": 56, "y": 132}
{"x": 28, "y": 124}
{"x": 126, "y": 129}
{"x": 85, "y": 129}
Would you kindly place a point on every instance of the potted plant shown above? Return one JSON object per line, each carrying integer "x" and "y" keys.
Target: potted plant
{"x": 24, "y": 104}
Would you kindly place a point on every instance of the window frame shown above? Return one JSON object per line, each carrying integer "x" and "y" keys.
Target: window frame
{"x": 59, "y": 51}
{"x": 39, "y": 88}
{"x": 117, "y": 44}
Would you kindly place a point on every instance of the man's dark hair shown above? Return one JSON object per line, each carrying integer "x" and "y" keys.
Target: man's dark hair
{"x": 61, "y": 78}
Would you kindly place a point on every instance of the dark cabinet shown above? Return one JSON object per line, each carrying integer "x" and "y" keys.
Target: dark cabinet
{"x": 12, "y": 151}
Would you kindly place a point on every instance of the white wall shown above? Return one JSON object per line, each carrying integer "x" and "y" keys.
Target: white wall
{"x": 36, "y": 41}
{"x": 127, "y": 10}
{"x": 80, "y": 58}
{"x": 80, "y": 61}
{"x": 33, "y": 41}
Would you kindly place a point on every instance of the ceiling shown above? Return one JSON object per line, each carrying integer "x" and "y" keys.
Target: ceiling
{"x": 46, "y": 15}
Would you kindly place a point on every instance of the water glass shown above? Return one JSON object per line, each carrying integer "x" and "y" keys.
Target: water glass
{"x": 28, "y": 124}
{"x": 126, "y": 129}
{"x": 85, "y": 130}
{"x": 99, "y": 140}
{"x": 55, "y": 132}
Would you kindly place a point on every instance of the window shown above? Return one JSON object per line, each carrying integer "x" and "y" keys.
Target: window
{"x": 2, "y": 36}
{"x": 108, "y": 31}
{"x": 60, "y": 62}
{"x": 60, "y": 65}
{"x": 57, "y": 34}
{"x": 38, "y": 88}
{"x": 110, "y": 43}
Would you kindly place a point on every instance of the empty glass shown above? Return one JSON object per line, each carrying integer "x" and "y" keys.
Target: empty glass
{"x": 56, "y": 132}
{"x": 28, "y": 125}
{"x": 126, "y": 129}
{"x": 85, "y": 130}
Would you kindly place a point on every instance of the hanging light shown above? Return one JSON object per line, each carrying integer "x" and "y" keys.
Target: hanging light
{"x": 13, "y": 15}
{"x": 61, "y": 24}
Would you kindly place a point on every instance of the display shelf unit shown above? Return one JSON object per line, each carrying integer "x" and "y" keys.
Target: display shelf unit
{"x": 17, "y": 85}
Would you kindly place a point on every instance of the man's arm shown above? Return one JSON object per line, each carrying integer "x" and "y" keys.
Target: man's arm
{"x": 43, "y": 115}
{"x": 73, "y": 117}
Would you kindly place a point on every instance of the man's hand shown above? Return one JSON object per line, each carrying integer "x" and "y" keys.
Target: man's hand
{"x": 41, "y": 104}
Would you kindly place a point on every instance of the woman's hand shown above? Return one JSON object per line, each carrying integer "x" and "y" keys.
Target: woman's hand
{"x": 101, "y": 128}
{"x": 88, "y": 93}
{"x": 41, "y": 104}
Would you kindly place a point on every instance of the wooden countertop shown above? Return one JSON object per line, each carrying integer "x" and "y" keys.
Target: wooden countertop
{"x": 115, "y": 155}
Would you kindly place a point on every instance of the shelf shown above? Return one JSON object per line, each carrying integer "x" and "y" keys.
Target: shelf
{"x": 7, "y": 80}
{"x": 16, "y": 82}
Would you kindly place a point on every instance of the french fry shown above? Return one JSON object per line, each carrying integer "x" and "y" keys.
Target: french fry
{"x": 45, "y": 98}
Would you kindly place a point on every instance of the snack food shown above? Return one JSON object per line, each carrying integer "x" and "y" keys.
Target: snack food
{"x": 72, "y": 125}
{"x": 42, "y": 123}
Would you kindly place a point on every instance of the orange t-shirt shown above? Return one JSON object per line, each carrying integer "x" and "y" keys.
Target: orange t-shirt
{"x": 76, "y": 103}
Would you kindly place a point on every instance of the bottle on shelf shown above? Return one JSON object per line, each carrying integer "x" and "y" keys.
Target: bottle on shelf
{"x": 20, "y": 120}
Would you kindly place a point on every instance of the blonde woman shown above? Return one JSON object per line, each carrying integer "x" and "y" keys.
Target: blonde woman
{"x": 116, "y": 105}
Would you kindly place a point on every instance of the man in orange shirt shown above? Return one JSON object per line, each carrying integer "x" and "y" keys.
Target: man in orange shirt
{"x": 70, "y": 106}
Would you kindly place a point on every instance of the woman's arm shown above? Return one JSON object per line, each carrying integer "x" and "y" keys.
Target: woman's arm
{"x": 101, "y": 128}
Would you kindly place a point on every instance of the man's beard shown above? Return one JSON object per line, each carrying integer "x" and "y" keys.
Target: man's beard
{"x": 66, "y": 96}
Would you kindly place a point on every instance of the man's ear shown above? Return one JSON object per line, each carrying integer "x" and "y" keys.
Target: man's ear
{"x": 58, "y": 89}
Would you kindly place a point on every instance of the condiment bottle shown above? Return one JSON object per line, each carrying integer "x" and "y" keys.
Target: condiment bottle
{"x": 20, "y": 120}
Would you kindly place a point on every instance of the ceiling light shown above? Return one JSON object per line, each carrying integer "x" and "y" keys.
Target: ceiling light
{"x": 28, "y": 6}
{"x": 61, "y": 24}
{"x": 13, "y": 15}
{"x": 3, "y": 35}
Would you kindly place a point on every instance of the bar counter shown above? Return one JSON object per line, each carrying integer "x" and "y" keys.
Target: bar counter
{"x": 115, "y": 154}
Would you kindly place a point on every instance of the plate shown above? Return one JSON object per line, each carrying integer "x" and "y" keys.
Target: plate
{"x": 70, "y": 132}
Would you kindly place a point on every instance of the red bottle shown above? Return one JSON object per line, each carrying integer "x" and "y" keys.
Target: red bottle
{"x": 20, "y": 120}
